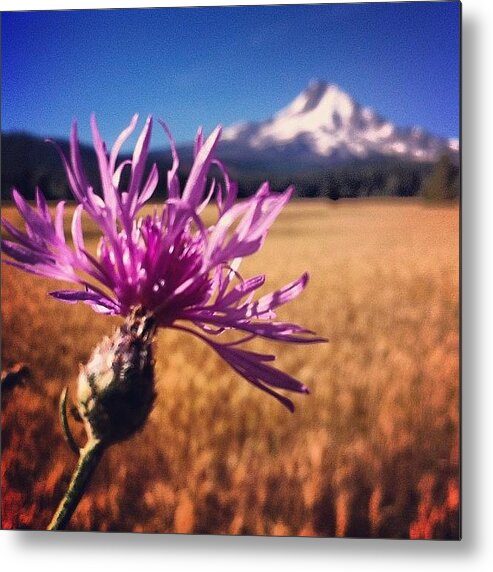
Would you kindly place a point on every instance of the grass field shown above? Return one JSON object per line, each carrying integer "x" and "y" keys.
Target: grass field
{"x": 372, "y": 451}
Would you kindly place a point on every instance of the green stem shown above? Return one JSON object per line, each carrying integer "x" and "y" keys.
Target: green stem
{"x": 89, "y": 458}
{"x": 65, "y": 426}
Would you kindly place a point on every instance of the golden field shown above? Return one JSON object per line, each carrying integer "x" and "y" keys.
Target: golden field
{"x": 372, "y": 451}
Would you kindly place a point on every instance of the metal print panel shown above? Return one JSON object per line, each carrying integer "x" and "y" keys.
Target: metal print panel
{"x": 251, "y": 328}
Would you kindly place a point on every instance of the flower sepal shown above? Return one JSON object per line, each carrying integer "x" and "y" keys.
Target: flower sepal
{"x": 116, "y": 388}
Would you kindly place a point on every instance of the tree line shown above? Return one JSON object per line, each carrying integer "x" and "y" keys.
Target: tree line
{"x": 28, "y": 162}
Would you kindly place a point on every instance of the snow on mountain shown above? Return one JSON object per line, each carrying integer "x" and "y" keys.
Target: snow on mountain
{"x": 325, "y": 123}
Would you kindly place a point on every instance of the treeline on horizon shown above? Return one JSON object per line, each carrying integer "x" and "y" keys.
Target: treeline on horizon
{"x": 28, "y": 162}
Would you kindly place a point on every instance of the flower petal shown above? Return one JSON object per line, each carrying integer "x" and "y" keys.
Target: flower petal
{"x": 149, "y": 187}
{"x": 251, "y": 367}
{"x": 76, "y": 159}
{"x": 42, "y": 206}
{"x": 173, "y": 182}
{"x": 242, "y": 290}
{"x": 138, "y": 165}
{"x": 92, "y": 298}
{"x": 124, "y": 135}
{"x": 24, "y": 254}
{"x": 194, "y": 188}
{"x": 34, "y": 223}
{"x": 109, "y": 193}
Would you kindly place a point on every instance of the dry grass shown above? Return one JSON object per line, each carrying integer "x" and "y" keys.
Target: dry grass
{"x": 373, "y": 451}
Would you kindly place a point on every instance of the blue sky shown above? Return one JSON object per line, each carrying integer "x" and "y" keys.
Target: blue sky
{"x": 204, "y": 66}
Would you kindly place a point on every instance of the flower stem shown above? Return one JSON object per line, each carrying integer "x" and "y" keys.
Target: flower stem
{"x": 89, "y": 458}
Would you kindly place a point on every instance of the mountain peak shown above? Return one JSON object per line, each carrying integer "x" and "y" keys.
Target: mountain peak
{"x": 321, "y": 98}
{"x": 316, "y": 86}
{"x": 320, "y": 86}
{"x": 314, "y": 93}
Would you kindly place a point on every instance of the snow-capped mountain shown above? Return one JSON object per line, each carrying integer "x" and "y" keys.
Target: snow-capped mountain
{"x": 323, "y": 124}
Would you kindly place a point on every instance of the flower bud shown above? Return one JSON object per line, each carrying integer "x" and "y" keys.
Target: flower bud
{"x": 115, "y": 391}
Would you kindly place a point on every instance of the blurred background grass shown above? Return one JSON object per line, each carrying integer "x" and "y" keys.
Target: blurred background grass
{"x": 372, "y": 451}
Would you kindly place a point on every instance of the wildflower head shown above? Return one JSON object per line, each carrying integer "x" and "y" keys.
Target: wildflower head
{"x": 168, "y": 265}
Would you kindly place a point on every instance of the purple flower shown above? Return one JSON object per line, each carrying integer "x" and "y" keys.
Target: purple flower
{"x": 168, "y": 263}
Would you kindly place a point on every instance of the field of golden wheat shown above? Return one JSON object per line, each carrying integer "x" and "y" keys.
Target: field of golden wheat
{"x": 373, "y": 451}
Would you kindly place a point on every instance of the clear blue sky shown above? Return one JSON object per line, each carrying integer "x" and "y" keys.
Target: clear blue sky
{"x": 204, "y": 66}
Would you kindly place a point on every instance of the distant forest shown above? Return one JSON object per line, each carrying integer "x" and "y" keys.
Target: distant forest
{"x": 28, "y": 161}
